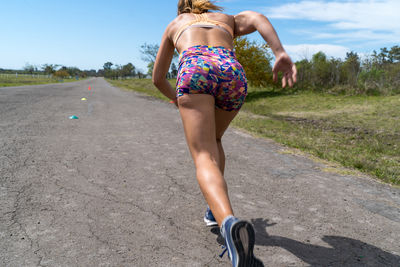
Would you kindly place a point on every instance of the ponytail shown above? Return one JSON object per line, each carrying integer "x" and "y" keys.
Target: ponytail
{"x": 196, "y": 6}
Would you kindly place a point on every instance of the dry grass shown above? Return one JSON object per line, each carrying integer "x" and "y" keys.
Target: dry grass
{"x": 7, "y": 80}
{"x": 358, "y": 132}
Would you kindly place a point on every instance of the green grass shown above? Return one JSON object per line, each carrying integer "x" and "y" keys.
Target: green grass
{"x": 12, "y": 80}
{"x": 359, "y": 132}
{"x": 141, "y": 85}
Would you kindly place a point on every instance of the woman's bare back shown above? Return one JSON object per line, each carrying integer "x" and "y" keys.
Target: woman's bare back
{"x": 201, "y": 35}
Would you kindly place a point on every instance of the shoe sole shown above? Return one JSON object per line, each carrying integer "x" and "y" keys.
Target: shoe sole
{"x": 210, "y": 223}
{"x": 243, "y": 238}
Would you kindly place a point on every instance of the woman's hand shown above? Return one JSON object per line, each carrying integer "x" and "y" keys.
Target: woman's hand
{"x": 249, "y": 21}
{"x": 175, "y": 102}
{"x": 284, "y": 64}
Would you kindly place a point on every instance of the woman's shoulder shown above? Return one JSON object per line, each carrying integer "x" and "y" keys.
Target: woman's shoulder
{"x": 180, "y": 20}
{"x": 220, "y": 16}
{"x": 176, "y": 23}
{"x": 247, "y": 14}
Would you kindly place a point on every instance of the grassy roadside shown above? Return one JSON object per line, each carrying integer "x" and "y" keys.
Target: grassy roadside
{"x": 359, "y": 132}
{"x": 140, "y": 85}
{"x": 12, "y": 80}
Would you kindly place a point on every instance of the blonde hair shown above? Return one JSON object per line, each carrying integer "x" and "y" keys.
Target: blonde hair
{"x": 196, "y": 6}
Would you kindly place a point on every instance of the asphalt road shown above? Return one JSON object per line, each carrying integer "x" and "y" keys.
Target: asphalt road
{"x": 117, "y": 188}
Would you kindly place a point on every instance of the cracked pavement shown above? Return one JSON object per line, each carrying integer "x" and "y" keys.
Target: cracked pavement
{"x": 117, "y": 188}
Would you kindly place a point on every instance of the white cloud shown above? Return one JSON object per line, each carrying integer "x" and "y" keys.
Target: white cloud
{"x": 374, "y": 17}
{"x": 305, "y": 51}
{"x": 366, "y": 35}
{"x": 361, "y": 14}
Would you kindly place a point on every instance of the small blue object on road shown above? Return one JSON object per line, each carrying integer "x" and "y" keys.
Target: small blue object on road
{"x": 73, "y": 117}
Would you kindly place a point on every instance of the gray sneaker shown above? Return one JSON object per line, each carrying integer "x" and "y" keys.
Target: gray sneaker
{"x": 239, "y": 241}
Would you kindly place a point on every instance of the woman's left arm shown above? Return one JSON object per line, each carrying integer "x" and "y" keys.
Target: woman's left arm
{"x": 161, "y": 67}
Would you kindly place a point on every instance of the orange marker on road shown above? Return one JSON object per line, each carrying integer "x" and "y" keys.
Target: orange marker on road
{"x": 89, "y": 88}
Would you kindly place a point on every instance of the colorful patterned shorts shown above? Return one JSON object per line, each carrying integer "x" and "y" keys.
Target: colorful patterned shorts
{"x": 214, "y": 71}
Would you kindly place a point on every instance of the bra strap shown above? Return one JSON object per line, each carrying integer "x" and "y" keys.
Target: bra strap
{"x": 185, "y": 26}
{"x": 202, "y": 18}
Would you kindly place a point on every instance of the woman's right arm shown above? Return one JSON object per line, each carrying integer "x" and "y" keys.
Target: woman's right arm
{"x": 162, "y": 64}
{"x": 249, "y": 21}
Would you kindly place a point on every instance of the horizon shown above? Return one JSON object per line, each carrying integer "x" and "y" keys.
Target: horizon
{"x": 42, "y": 32}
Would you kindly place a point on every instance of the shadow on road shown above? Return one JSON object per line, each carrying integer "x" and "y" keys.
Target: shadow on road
{"x": 340, "y": 251}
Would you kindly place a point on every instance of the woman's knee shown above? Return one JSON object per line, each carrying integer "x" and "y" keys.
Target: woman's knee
{"x": 205, "y": 158}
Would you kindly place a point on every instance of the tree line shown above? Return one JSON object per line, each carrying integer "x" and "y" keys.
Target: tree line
{"x": 378, "y": 73}
{"x": 149, "y": 54}
{"x": 119, "y": 71}
{"x": 53, "y": 70}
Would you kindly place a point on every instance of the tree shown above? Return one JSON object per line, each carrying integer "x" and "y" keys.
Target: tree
{"x": 100, "y": 73}
{"x": 61, "y": 74}
{"x": 174, "y": 70}
{"x": 140, "y": 74}
{"x": 304, "y": 73}
{"x": 149, "y": 55}
{"x": 149, "y": 52}
{"x": 107, "y": 71}
{"x": 49, "y": 69}
{"x": 394, "y": 54}
{"x": 256, "y": 61}
{"x": 150, "y": 67}
{"x": 73, "y": 71}
{"x": 128, "y": 70}
{"x": 383, "y": 56}
{"x": 90, "y": 73}
{"x": 320, "y": 70}
{"x": 375, "y": 58}
{"x": 30, "y": 69}
{"x": 335, "y": 66}
{"x": 352, "y": 67}
{"x": 107, "y": 66}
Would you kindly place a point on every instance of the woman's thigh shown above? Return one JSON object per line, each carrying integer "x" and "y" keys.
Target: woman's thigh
{"x": 198, "y": 117}
{"x": 223, "y": 119}
{"x": 201, "y": 119}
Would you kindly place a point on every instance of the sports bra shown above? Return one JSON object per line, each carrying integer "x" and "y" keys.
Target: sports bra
{"x": 203, "y": 21}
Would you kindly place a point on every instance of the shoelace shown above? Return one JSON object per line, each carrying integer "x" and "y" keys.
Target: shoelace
{"x": 223, "y": 252}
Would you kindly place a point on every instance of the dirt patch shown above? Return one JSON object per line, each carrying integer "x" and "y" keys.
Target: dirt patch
{"x": 326, "y": 125}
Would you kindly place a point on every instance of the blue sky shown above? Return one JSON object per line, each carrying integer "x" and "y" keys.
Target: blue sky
{"x": 88, "y": 33}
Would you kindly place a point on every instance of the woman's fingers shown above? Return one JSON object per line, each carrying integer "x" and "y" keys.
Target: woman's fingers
{"x": 275, "y": 75}
{"x": 294, "y": 73}
{"x": 290, "y": 82}
{"x": 283, "y": 82}
{"x": 288, "y": 79}
{"x": 289, "y": 71}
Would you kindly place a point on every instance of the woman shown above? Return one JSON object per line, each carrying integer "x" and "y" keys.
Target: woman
{"x": 211, "y": 88}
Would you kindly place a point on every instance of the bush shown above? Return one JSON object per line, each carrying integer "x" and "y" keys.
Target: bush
{"x": 61, "y": 74}
{"x": 256, "y": 61}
